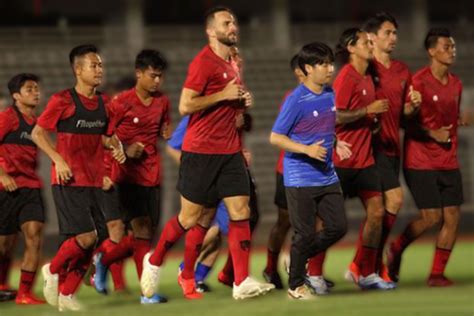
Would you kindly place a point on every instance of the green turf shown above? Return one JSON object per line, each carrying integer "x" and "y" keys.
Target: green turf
{"x": 411, "y": 298}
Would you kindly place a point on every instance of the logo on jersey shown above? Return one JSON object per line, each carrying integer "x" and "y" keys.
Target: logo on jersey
{"x": 435, "y": 98}
{"x": 136, "y": 120}
{"x": 364, "y": 92}
{"x": 315, "y": 113}
{"x": 25, "y": 135}
{"x": 90, "y": 124}
{"x": 333, "y": 108}
{"x": 225, "y": 75}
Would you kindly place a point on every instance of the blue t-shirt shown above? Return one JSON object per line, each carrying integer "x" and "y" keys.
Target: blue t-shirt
{"x": 306, "y": 118}
{"x": 176, "y": 140}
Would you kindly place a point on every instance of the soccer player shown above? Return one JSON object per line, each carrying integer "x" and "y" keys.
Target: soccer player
{"x": 392, "y": 81}
{"x": 357, "y": 108}
{"x": 431, "y": 165}
{"x": 21, "y": 205}
{"x": 138, "y": 117}
{"x": 305, "y": 130}
{"x": 211, "y": 160}
{"x": 79, "y": 118}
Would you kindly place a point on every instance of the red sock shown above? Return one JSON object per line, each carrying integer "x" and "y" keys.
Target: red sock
{"x": 76, "y": 271}
{"x": 239, "y": 246}
{"x": 140, "y": 248}
{"x": 62, "y": 276}
{"x": 315, "y": 264}
{"x": 192, "y": 249}
{"x": 26, "y": 282}
{"x": 272, "y": 261}
{"x": 69, "y": 250}
{"x": 120, "y": 251}
{"x": 399, "y": 245}
{"x": 116, "y": 269}
{"x": 228, "y": 268}
{"x": 5, "y": 265}
{"x": 367, "y": 261}
{"x": 440, "y": 261}
{"x": 360, "y": 242}
{"x": 171, "y": 234}
{"x": 387, "y": 224}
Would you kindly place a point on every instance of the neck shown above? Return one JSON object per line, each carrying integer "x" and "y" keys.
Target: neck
{"x": 85, "y": 89}
{"x": 382, "y": 57}
{"x": 221, "y": 50}
{"x": 144, "y": 95}
{"x": 359, "y": 64}
{"x": 440, "y": 71}
{"x": 314, "y": 87}
{"x": 25, "y": 109}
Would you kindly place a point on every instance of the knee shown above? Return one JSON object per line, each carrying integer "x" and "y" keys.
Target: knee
{"x": 376, "y": 214}
{"x": 33, "y": 242}
{"x": 87, "y": 240}
{"x": 116, "y": 230}
{"x": 394, "y": 203}
{"x": 432, "y": 217}
{"x": 188, "y": 220}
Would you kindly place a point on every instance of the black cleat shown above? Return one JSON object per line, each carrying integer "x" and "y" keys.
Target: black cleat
{"x": 273, "y": 278}
{"x": 7, "y": 295}
{"x": 202, "y": 287}
{"x": 329, "y": 283}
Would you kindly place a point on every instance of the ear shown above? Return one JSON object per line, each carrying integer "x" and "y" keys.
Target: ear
{"x": 16, "y": 96}
{"x": 431, "y": 51}
{"x": 308, "y": 69}
{"x": 210, "y": 32}
{"x": 138, "y": 73}
{"x": 351, "y": 49}
{"x": 77, "y": 68}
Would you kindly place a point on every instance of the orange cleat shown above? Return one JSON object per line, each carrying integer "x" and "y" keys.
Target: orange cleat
{"x": 28, "y": 299}
{"x": 189, "y": 288}
{"x": 439, "y": 280}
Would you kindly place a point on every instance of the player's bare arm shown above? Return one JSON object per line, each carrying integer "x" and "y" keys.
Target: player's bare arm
{"x": 7, "y": 181}
{"x": 412, "y": 107}
{"x": 315, "y": 151}
{"x": 349, "y": 116}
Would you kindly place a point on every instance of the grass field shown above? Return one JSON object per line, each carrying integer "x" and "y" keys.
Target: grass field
{"x": 412, "y": 297}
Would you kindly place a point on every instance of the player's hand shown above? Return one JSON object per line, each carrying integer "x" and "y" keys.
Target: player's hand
{"x": 441, "y": 135}
{"x": 316, "y": 151}
{"x": 248, "y": 98}
{"x": 166, "y": 131}
{"x": 63, "y": 172}
{"x": 135, "y": 150}
{"x": 107, "y": 183}
{"x": 343, "y": 149}
{"x": 377, "y": 107}
{"x": 415, "y": 97}
{"x": 465, "y": 119}
{"x": 8, "y": 183}
{"x": 247, "y": 156}
{"x": 117, "y": 149}
{"x": 232, "y": 91}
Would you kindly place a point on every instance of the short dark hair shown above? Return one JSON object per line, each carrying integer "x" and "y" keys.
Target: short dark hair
{"x": 433, "y": 34}
{"x": 80, "y": 51}
{"x": 210, "y": 14}
{"x": 350, "y": 36}
{"x": 16, "y": 83}
{"x": 373, "y": 24}
{"x": 315, "y": 53}
{"x": 150, "y": 58}
{"x": 294, "y": 62}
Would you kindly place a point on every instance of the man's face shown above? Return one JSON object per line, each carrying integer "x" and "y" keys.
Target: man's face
{"x": 149, "y": 79}
{"x": 29, "y": 94}
{"x": 224, "y": 28}
{"x": 386, "y": 38}
{"x": 320, "y": 74}
{"x": 362, "y": 48}
{"x": 444, "y": 51}
{"x": 89, "y": 69}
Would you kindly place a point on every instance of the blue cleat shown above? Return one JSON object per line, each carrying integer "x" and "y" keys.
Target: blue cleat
{"x": 100, "y": 276}
{"x": 155, "y": 299}
{"x": 375, "y": 282}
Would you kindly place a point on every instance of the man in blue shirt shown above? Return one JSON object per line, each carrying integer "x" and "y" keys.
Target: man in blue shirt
{"x": 305, "y": 129}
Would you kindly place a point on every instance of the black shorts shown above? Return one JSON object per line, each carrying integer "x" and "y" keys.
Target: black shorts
{"x": 388, "y": 168}
{"x": 435, "y": 188}
{"x": 110, "y": 205}
{"x": 204, "y": 175}
{"x": 18, "y": 207}
{"x": 139, "y": 201}
{"x": 359, "y": 182}
{"x": 280, "y": 193}
{"x": 78, "y": 208}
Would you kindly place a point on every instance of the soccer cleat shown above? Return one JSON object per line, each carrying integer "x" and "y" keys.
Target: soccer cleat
{"x": 394, "y": 261}
{"x": 374, "y": 282}
{"x": 250, "y": 288}
{"x": 150, "y": 277}
{"x": 329, "y": 283}
{"x": 100, "y": 276}
{"x": 353, "y": 273}
{"x": 28, "y": 299}
{"x": 225, "y": 279}
{"x": 155, "y": 299}
{"x": 383, "y": 272}
{"x": 7, "y": 295}
{"x": 68, "y": 303}
{"x": 189, "y": 288}
{"x": 50, "y": 285}
{"x": 202, "y": 287}
{"x": 302, "y": 292}
{"x": 439, "y": 280}
{"x": 273, "y": 278}
{"x": 317, "y": 284}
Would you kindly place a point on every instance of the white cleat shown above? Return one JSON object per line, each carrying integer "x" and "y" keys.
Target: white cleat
{"x": 150, "y": 277}
{"x": 250, "y": 288}
{"x": 50, "y": 285}
{"x": 317, "y": 284}
{"x": 302, "y": 292}
{"x": 68, "y": 303}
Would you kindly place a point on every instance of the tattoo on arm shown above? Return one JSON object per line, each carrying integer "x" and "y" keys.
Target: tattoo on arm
{"x": 348, "y": 116}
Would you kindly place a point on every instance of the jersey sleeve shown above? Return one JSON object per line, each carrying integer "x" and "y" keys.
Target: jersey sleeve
{"x": 7, "y": 124}
{"x": 53, "y": 113}
{"x": 198, "y": 76}
{"x": 287, "y": 117}
{"x": 115, "y": 112}
{"x": 343, "y": 88}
